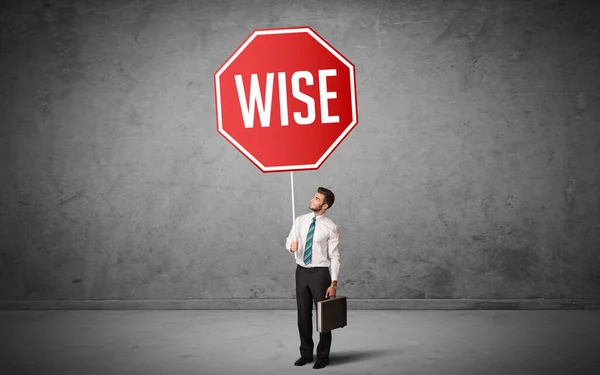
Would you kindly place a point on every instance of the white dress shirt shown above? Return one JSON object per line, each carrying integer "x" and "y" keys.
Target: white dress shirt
{"x": 326, "y": 243}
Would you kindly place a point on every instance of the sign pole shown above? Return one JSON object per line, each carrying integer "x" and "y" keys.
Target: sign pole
{"x": 293, "y": 212}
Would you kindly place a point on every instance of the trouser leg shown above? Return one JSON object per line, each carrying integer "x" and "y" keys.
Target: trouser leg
{"x": 304, "y": 299}
{"x": 319, "y": 287}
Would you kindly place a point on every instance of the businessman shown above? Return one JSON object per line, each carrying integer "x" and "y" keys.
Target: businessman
{"x": 317, "y": 247}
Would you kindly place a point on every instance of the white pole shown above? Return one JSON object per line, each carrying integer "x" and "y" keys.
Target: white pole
{"x": 293, "y": 212}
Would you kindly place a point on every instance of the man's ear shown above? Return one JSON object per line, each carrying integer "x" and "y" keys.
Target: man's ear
{"x": 326, "y": 206}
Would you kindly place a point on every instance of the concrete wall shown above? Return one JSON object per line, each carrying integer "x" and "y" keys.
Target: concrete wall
{"x": 473, "y": 172}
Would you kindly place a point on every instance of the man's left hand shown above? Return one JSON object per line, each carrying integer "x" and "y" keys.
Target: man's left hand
{"x": 330, "y": 292}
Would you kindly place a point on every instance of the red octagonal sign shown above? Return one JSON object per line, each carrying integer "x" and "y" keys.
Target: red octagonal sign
{"x": 286, "y": 99}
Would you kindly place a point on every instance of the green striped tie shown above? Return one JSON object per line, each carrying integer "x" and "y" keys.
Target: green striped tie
{"x": 309, "y": 241}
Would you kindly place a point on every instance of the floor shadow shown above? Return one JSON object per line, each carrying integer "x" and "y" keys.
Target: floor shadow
{"x": 340, "y": 358}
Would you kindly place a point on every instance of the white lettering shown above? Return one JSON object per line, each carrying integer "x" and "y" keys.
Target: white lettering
{"x": 255, "y": 99}
{"x": 310, "y": 102}
{"x": 283, "y": 105}
{"x": 326, "y": 95}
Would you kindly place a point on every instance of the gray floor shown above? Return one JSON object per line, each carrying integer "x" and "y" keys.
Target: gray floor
{"x": 266, "y": 342}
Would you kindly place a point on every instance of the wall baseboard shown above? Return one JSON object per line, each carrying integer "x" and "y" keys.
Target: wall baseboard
{"x": 290, "y": 304}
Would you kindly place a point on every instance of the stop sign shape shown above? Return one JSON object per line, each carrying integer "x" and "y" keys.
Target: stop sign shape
{"x": 286, "y": 99}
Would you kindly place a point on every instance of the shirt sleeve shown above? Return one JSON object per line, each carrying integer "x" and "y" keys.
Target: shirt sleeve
{"x": 333, "y": 249}
{"x": 290, "y": 238}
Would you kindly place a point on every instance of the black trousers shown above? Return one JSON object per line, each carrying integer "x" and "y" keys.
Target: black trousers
{"x": 311, "y": 286}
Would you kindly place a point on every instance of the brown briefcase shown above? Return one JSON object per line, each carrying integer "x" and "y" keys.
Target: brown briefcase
{"x": 331, "y": 314}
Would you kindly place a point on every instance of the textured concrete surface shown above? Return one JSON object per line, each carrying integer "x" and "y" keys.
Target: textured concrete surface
{"x": 473, "y": 172}
{"x": 252, "y": 342}
{"x": 290, "y": 304}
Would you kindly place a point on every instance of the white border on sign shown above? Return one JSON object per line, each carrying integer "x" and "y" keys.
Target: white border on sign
{"x": 337, "y": 141}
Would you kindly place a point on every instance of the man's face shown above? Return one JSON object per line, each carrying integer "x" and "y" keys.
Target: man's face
{"x": 316, "y": 204}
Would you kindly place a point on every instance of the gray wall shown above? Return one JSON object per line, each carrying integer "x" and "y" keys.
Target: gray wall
{"x": 473, "y": 171}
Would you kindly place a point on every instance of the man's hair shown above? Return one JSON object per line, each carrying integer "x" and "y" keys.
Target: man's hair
{"x": 329, "y": 197}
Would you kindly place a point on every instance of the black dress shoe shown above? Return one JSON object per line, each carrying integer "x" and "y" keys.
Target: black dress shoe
{"x": 321, "y": 363}
{"x": 302, "y": 361}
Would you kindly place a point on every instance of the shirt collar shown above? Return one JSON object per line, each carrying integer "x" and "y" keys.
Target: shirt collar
{"x": 319, "y": 218}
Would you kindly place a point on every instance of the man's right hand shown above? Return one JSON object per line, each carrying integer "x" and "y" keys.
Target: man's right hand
{"x": 294, "y": 246}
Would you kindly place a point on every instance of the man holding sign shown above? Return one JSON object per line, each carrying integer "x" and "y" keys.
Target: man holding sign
{"x": 281, "y": 90}
{"x": 317, "y": 243}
